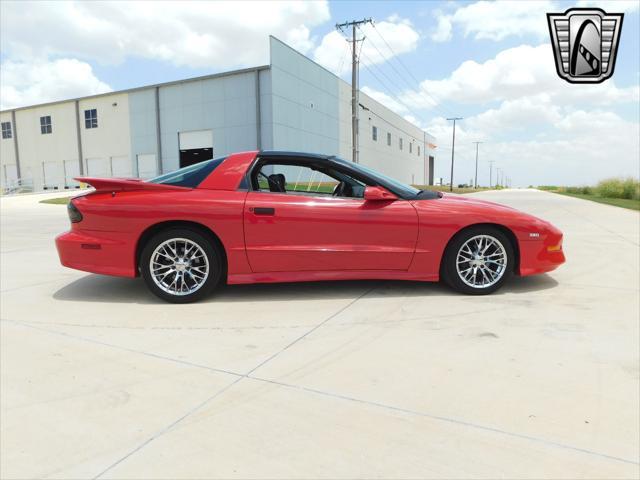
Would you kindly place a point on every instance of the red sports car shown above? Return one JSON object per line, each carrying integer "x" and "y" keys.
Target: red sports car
{"x": 289, "y": 217}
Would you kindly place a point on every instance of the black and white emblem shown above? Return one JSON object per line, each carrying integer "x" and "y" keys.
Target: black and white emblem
{"x": 585, "y": 43}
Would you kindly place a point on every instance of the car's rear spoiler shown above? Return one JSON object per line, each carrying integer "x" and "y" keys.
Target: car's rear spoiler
{"x": 124, "y": 184}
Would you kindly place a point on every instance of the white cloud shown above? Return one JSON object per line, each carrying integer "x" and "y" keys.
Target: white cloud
{"x": 522, "y": 114}
{"x": 496, "y": 20}
{"x": 30, "y": 83}
{"x": 578, "y": 147}
{"x": 385, "y": 99}
{"x": 513, "y": 73}
{"x": 195, "y": 34}
{"x": 537, "y": 127}
{"x": 612, "y": 6}
{"x": 334, "y": 50}
{"x": 443, "y": 31}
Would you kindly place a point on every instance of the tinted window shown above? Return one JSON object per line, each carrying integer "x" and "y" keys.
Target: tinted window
{"x": 190, "y": 176}
{"x": 405, "y": 191}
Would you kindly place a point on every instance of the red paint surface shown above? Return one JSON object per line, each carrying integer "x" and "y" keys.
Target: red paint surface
{"x": 306, "y": 238}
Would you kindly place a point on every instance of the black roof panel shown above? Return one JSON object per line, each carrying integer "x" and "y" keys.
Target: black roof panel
{"x": 284, "y": 153}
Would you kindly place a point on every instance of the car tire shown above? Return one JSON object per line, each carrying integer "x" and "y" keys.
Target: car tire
{"x": 478, "y": 261}
{"x": 180, "y": 265}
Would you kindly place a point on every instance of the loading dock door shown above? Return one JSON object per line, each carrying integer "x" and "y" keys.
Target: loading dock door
{"x": 195, "y": 146}
{"x": 147, "y": 167}
{"x": 71, "y": 170}
{"x": 98, "y": 167}
{"x": 53, "y": 175}
{"x": 121, "y": 167}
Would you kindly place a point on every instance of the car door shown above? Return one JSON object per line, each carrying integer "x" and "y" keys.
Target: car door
{"x": 305, "y": 228}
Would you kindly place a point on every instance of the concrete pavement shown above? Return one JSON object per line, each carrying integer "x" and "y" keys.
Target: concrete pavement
{"x": 333, "y": 380}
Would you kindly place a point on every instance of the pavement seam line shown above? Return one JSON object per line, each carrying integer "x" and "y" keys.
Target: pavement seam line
{"x": 248, "y": 375}
{"x": 441, "y": 418}
{"x": 306, "y": 334}
{"x": 225, "y": 388}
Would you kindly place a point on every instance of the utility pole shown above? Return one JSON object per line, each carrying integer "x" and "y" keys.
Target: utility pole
{"x": 453, "y": 148}
{"x": 476, "y": 182}
{"x": 497, "y": 177}
{"x": 491, "y": 162}
{"x": 354, "y": 81}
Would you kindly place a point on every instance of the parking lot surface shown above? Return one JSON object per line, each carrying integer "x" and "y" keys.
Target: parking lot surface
{"x": 99, "y": 379}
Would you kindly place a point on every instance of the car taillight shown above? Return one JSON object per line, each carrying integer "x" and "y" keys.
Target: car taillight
{"x": 74, "y": 214}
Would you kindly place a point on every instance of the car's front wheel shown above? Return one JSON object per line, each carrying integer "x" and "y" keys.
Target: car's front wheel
{"x": 478, "y": 261}
{"x": 180, "y": 265}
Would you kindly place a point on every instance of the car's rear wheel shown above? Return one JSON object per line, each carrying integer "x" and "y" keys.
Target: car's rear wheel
{"x": 180, "y": 265}
{"x": 478, "y": 261}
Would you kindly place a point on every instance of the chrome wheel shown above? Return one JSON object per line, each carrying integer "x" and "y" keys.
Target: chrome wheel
{"x": 179, "y": 266}
{"x": 481, "y": 261}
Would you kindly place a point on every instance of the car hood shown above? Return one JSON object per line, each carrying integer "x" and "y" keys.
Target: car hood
{"x": 467, "y": 210}
{"x": 463, "y": 201}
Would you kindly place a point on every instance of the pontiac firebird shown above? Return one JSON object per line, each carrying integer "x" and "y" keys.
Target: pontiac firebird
{"x": 256, "y": 217}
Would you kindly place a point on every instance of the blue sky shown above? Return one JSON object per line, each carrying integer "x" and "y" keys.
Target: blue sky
{"x": 488, "y": 62}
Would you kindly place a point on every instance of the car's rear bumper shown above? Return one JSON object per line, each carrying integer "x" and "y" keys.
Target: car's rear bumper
{"x": 97, "y": 252}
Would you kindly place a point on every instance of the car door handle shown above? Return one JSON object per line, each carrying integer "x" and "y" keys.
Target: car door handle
{"x": 264, "y": 211}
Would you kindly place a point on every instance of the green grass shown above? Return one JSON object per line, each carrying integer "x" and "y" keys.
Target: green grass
{"x": 619, "y": 192}
{"x": 57, "y": 201}
{"x": 617, "y": 202}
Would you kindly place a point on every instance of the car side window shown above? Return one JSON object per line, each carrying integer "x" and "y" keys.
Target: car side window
{"x": 305, "y": 180}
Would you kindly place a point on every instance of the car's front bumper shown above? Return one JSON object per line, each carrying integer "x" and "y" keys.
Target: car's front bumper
{"x": 540, "y": 256}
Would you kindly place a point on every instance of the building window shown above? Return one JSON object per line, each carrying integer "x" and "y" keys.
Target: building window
{"x": 410, "y": 147}
{"x": 400, "y": 142}
{"x": 45, "y": 124}
{"x": 389, "y": 139}
{"x": 6, "y": 130}
{"x": 418, "y": 150}
{"x": 91, "y": 118}
{"x": 374, "y": 133}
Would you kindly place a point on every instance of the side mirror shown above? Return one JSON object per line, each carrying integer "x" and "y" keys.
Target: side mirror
{"x": 378, "y": 194}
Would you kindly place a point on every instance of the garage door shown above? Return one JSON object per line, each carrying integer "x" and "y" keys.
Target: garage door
{"x": 71, "y": 170}
{"x": 121, "y": 167}
{"x": 98, "y": 167}
{"x": 147, "y": 167}
{"x": 53, "y": 175}
{"x": 10, "y": 174}
{"x": 196, "y": 139}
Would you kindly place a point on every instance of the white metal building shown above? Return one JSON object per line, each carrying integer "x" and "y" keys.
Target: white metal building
{"x": 291, "y": 104}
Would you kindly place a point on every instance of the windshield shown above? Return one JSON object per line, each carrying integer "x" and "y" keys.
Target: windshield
{"x": 406, "y": 191}
{"x": 190, "y": 176}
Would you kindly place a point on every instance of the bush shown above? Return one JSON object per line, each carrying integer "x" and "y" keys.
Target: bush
{"x": 619, "y": 188}
{"x": 580, "y": 190}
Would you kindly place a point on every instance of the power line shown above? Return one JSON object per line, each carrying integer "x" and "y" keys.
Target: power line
{"x": 399, "y": 60}
{"x": 411, "y": 90}
{"x": 384, "y": 85}
{"x": 388, "y": 60}
{"x": 344, "y": 55}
